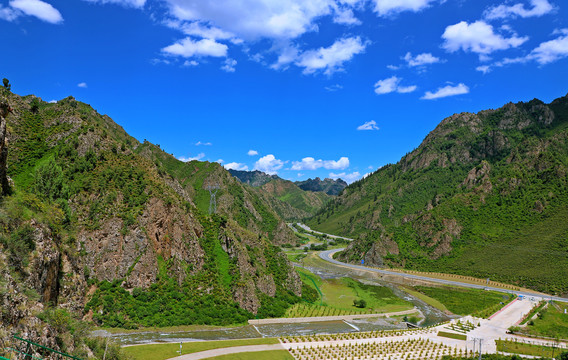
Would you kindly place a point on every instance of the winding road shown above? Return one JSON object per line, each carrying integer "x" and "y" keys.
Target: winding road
{"x": 328, "y": 256}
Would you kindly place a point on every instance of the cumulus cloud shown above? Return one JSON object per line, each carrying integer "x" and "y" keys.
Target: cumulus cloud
{"x": 369, "y": 125}
{"x": 539, "y": 8}
{"x": 188, "y": 48}
{"x": 189, "y": 63}
{"x": 229, "y": 65}
{"x": 484, "y": 69}
{"x": 200, "y": 29}
{"x": 349, "y": 178}
{"x": 236, "y": 166}
{"x": 82, "y": 85}
{"x": 390, "y": 85}
{"x": 191, "y": 158}
{"x": 309, "y": 163}
{"x": 446, "y": 91}
{"x": 331, "y": 59}
{"x": 252, "y": 152}
{"x": 126, "y": 3}
{"x": 420, "y": 59}
{"x": 199, "y": 143}
{"x": 37, "y": 8}
{"x": 391, "y": 7}
{"x": 478, "y": 37}
{"x": 269, "y": 164}
{"x": 254, "y": 19}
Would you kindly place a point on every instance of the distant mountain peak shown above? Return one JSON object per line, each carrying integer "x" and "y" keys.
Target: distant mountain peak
{"x": 329, "y": 186}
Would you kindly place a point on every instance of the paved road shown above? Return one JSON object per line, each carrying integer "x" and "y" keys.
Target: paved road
{"x": 228, "y": 350}
{"x": 328, "y": 318}
{"x": 307, "y": 228}
{"x": 328, "y": 256}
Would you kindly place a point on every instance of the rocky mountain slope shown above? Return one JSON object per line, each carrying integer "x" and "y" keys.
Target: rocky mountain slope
{"x": 485, "y": 194}
{"x": 103, "y": 227}
{"x": 284, "y": 196}
{"x": 327, "y": 185}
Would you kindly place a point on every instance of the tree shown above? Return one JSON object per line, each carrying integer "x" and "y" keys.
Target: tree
{"x": 49, "y": 182}
{"x": 6, "y": 83}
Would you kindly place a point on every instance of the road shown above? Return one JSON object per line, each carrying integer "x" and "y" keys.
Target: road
{"x": 328, "y": 256}
{"x": 229, "y": 350}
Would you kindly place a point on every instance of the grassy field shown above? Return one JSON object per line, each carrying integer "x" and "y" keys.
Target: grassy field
{"x": 527, "y": 349}
{"x": 462, "y": 301}
{"x": 452, "y": 335}
{"x": 261, "y": 355}
{"x": 552, "y": 322}
{"x": 338, "y": 295}
{"x": 166, "y": 351}
{"x": 428, "y": 300}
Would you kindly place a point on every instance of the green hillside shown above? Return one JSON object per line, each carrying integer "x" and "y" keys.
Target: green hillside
{"x": 118, "y": 232}
{"x": 484, "y": 195}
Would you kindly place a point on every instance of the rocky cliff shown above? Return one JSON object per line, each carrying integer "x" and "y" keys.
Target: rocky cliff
{"x": 483, "y": 195}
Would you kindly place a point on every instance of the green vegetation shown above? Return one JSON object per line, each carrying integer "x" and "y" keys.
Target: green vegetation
{"x": 550, "y": 322}
{"x": 533, "y": 312}
{"x": 479, "y": 194}
{"x": 338, "y": 297}
{"x": 527, "y": 349}
{"x": 166, "y": 351}
{"x": 260, "y": 355}
{"x": 462, "y": 301}
{"x": 452, "y": 335}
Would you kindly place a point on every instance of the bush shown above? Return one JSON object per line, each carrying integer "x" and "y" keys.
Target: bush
{"x": 360, "y": 303}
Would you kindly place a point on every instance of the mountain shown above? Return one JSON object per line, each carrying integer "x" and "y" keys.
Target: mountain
{"x": 99, "y": 226}
{"x": 328, "y": 186}
{"x": 253, "y": 178}
{"x": 284, "y": 196}
{"x": 484, "y": 194}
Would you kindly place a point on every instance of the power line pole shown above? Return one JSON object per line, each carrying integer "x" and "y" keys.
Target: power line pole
{"x": 213, "y": 188}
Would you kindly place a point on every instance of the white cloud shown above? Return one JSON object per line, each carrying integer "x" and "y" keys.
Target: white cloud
{"x": 189, "y": 63}
{"x": 446, "y": 91}
{"x": 484, "y": 69}
{"x": 390, "y": 85}
{"x": 300, "y": 174}
{"x": 252, "y": 152}
{"x": 420, "y": 59}
{"x": 37, "y": 8}
{"x": 236, "y": 166}
{"x": 82, "y": 85}
{"x": 189, "y": 48}
{"x": 391, "y": 7}
{"x": 220, "y": 161}
{"x": 393, "y": 67}
{"x": 191, "y": 158}
{"x": 349, "y": 178}
{"x": 126, "y": 3}
{"x": 478, "y": 37}
{"x": 53, "y": 101}
{"x": 199, "y": 143}
{"x": 268, "y": 164}
{"x": 331, "y": 59}
{"x": 545, "y": 53}
{"x": 333, "y": 87}
{"x": 369, "y": 125}
{"x": 229, "y": 65}
{"x": 539, "y": 8}
{"x": 199, "y": 29}
{"x": 345, "y": 16}
{"x": 550, "y": 51}
{"x": 254, "y": 19}
{"x": 309, "y": 163}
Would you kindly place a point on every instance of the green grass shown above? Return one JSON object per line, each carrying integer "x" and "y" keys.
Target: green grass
{"x": 533, "y": 312}
{"x": 166, "y": 351}
{"x": 552, "y": 323}
{"x": 428, "y": 300}
{"x": 452, "y": 335}
{"x": 339, "y": 294}
{"x": 526, "y": 349}
{"x": 465, "y": 301}
{"x": 261, "y": 355}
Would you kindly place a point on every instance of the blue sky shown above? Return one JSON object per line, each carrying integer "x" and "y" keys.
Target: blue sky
{"x": 301, "y": 88}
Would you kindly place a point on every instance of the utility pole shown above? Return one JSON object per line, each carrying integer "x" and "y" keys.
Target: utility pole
{"x": 213, "y": 188}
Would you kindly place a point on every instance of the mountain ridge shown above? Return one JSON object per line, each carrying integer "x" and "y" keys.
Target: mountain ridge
{"x": 478, "y": 183}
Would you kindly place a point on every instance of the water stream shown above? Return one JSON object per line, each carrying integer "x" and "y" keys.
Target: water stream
{"x": 431, "y": 316}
